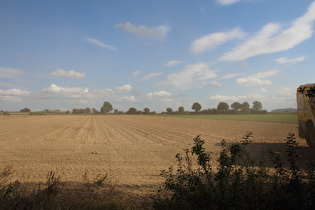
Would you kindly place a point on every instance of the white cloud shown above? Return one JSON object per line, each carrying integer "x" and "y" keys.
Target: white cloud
{"x": 210, "y": 41}
{"x": 100, "y": 44}
{"x": 271, "y": 39}
{"x": 172, "y": 63}
{"x": 14, "y": 92}
{"x": 135, "y": 73}
{"x": 264, "y": 90}
{"x": 101, "y": 92}
{"x": 161, "y": 93}
{"x": 286, "y": 60}
{"x": 127, "y": 99}
{"x": 229, "y": 76}
{"x": 13, "y": 95}
{"x": 216, "y": 84}
{"x": 150, "y": 76}
{"x": 226, "y": 98}
{"x": 6, "y": 72}
{"x": 256, "y": 79}
{"x": 124, "y": 88}
{"x": 194, "y": 75}
{"x": 71, "y": 74}
{"x": 54, "y": 90}
{"x": 155, "y": 32}
{"x": 227, "y": 2}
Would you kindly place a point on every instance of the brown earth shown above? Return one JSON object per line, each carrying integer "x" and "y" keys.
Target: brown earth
{"x": 132, "y": 150}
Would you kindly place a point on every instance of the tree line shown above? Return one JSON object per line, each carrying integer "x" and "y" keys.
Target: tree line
{"x": 222, "y": 108}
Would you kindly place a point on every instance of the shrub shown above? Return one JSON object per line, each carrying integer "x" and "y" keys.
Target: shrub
{"x": 236, "y": 183}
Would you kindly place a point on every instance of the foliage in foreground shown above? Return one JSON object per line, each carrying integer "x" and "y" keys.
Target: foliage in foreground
{"x": 236, "y": 183}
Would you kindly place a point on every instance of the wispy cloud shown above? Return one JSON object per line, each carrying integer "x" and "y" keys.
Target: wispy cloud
{"x": 100, "y": 44}
{"x": 135, "y": 73}
{"x": 271, "y": 39}
{"x": 229, "y": 76}
{"x": 257, "y": 79}
{"x": 210, "y": 41}
{"x": 173, "y": 62}
{"x": 194, "y": 75}
{"x": 227, "y": 2}
{"x": 216, "y": 84}
{"x": 286, "y": 60}
{"x": 150, "y": 76}
{"x": 6, "y": 72}
{"x": 158, "y": 32}
{"x": 71, "y": 74}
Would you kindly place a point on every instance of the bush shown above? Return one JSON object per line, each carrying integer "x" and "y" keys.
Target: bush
{"x": 236, "y": 183}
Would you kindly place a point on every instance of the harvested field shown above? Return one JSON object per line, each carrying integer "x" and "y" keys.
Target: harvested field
{"x": 132, "y": 150}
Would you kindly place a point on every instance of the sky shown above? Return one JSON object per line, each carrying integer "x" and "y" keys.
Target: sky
{"x": 66, "y": 54}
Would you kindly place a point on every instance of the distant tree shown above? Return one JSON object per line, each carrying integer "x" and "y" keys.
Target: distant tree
{"x": 87, "y": 110}
{"x": 236, "y": 106}
{"x": 245, "y": 107}
{"x": 94, "y": 111}
{"x": 75, "y": 111}
{"x": 223, "y": 107}
{"x": 115, "y": 111}
{"x": 257, "y": 106}
{"x": 25, "y": 110}
{"x": 181, "y": 110}
{"x": 169, "y": 110}
{"x": 196, "y": 106}
{"x": 106, "y": 108}
{"x": 146, "y": 110}
{"x": 132, "y": 111}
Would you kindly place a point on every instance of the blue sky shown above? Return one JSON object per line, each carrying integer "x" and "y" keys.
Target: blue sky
{"x": 75, "y": 54}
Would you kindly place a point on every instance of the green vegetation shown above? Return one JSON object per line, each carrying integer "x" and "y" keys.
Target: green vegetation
{"x": 274, "y": 117}
{"x": 237, "y": 183}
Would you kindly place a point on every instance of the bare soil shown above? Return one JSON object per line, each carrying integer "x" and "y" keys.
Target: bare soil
{"x": 132, "y": 150}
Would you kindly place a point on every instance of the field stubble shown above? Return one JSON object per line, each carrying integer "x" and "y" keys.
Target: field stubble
{"x": 132, "y": 150}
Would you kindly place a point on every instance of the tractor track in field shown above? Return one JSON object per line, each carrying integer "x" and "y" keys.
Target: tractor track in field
{"x": 132, "y": 150}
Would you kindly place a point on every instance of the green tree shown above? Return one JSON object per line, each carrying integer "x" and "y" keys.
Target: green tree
{"x": 146, "y": 110}
{"x": 181, "y": 110}
{"x": 169, "y": 110}
{"x": 106, "y": 108}
{"x": 257, "y": 106}
{"x": 236, "y": 106}
{"x": 132, "y": 111}
{"x": 25, "y": 110}
{"x": 245, "y": 107}
{"x": 94, "y": 111}
{"x": 223, "y": 107}
{"x": 87, "y": 110}
{"x": 196, "y": 106}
